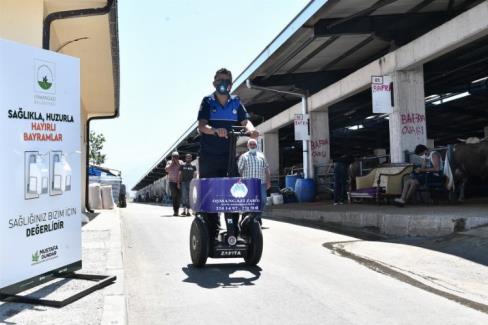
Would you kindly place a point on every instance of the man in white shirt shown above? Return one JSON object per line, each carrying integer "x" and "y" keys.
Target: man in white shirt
{"x": 253, "y": 164}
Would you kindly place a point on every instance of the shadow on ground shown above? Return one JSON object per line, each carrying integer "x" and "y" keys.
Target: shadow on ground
{"x": 214, "y": 276}
{"x": 89, "y": 217}
{"x": 10, "y": 309}
{"x": 470, "y": 245}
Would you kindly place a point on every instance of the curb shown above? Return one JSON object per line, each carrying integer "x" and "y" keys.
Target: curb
{"x": 114, "y": 305}
{"x": 417, "y": 280}
{"x": 388, "y": 224}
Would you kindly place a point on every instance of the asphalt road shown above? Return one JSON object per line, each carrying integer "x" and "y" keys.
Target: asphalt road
{"x": 298, "y": 281}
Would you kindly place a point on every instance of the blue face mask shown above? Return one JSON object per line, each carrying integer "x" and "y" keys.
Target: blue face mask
{"x": 253, "y": 150}
{"x": 223, "y": 87}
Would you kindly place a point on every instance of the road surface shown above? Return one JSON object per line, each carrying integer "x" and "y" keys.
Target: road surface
{"x": 299, "y": 281}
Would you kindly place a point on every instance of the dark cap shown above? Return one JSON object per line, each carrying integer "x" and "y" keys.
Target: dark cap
{"x": 420, "y": 149}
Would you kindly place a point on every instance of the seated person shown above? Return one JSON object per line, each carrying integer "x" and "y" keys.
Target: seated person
{"x": 430, "y": 171}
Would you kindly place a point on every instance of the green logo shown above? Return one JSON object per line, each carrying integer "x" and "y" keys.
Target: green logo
{"x": 35, "y": 257}
{"x": 45, "y": 84}
{"x": 44, "y": 77}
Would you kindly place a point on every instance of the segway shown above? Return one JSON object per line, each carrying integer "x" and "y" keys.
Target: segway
{"x": 237, "y": 198}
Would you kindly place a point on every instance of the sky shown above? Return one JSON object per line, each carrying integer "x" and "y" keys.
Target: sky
{"x": 169, "y": 52}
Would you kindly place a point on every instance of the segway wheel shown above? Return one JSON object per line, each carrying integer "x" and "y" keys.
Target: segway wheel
{"x": 255, "y": 249}
{"x": 199, "y": 242}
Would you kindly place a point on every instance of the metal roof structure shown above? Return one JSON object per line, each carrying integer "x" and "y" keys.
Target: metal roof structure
{"x": 325, "y": 42}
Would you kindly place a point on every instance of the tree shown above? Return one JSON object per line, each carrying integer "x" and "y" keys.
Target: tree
{"x": 96, "y": 145}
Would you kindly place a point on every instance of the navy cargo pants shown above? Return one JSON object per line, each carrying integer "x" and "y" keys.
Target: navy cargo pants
{"x": 214, "y": 167}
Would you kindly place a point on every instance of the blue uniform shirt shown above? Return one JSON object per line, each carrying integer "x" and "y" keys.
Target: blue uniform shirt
{"x": 218, "y": 116}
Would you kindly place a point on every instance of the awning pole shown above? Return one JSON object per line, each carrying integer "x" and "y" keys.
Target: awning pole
{"x": 306, "y": 143}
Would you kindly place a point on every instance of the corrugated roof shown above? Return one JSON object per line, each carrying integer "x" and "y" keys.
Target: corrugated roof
{"x": 326, "y": 41}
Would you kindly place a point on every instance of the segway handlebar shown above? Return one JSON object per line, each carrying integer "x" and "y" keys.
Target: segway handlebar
{"x": 238, "y": 131}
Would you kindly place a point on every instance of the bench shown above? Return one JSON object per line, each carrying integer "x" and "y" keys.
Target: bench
{"x": 382, "y": 183}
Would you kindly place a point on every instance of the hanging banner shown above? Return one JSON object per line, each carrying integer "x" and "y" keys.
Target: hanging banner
{"x": 382, "y": 93}
{"x": 40, "y": 189}
{"x": 302, "y": 129}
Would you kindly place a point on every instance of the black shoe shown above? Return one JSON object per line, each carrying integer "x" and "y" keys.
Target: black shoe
{"x": 398, "y": 203}
{"x": 175, "y": 214}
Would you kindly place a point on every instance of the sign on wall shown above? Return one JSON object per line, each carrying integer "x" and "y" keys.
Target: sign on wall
{"x": 382, "y": 93}
{"x": 302, "y": 129}
{"x": 40, "y": 220}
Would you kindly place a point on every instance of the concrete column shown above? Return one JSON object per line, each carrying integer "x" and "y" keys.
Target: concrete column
{"x": 407, "y": 122}
{"x": 319, "y": 139}
{"x": 271, "y": 149}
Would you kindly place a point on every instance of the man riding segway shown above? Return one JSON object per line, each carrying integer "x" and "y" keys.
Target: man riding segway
{"x": 221, "y": 120}
{"x": 218, "y": 113}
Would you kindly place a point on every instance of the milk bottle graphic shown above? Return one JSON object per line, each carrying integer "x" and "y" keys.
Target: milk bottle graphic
{"x": 61, "y": 181}
{"x": 37, "y": 176}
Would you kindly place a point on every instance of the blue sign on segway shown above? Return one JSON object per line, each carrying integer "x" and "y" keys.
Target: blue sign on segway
{"x": 229, "y": 194}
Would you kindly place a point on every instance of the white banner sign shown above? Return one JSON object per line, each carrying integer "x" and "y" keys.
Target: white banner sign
{"x": 302, "y": 130}
{"x": 40, "y": 220}
{"x": 382, "y": 87}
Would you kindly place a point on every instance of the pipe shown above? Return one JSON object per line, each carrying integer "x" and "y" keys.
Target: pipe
{"x": 307, "y": 170}
{"x": 46, "y": 39}
{"x": 46, "y": 33}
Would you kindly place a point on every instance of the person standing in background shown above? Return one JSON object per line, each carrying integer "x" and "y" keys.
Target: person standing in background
{"x": 340, "y": 178}
{"x": 186, "y": 174}
{"x": 173, "y": 170}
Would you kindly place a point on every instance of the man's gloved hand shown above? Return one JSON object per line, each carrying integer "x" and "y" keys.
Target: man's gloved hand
{"x": 222, "y": 133}
{"x": 254, "y": 134}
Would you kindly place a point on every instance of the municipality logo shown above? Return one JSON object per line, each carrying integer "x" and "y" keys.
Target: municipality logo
{"x": 44, "y": 254}
{"x": 239, "y": 190}
{"x": 45, "y": 77}
{"x": 35, "y": 257}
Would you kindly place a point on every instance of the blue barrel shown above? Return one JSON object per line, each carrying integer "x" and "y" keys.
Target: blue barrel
{"x": 305, "y": 189}
{"x": 290, "y": 181}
